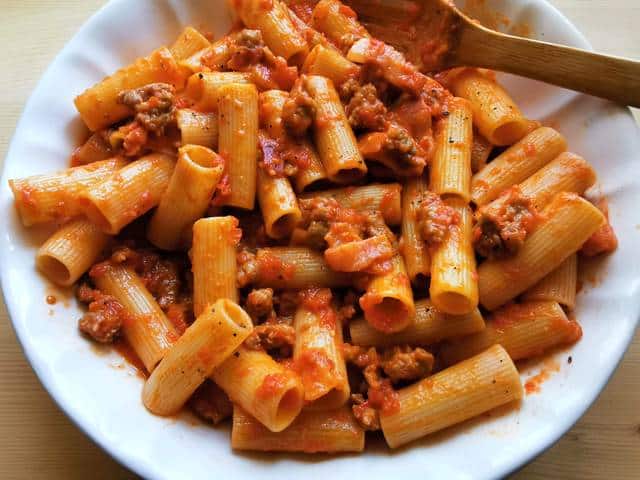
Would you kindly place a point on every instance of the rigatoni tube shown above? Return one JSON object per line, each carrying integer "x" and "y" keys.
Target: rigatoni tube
{"x": 451, "y": 396}
{"x": 516, "y": 164}
{"x": 271, "y": 393}
{"x": 311, "y": 432}
{"x": 338, "y": 23}
{"x": 382, "y": 198}
{"x": 197, "y": 128}
{"x": 454, "y": 285}
{"x": 187, "y": 197}
{"x": 188, "y": 42}
{"x": 273, "y": 20}
{"x": 278, "y": 204}
{"x": 568, "y": 222}
{"x": 214, "y": 335}
{"x": 296, "y": 267}
{"x": 99, "y": 107}
{"x": 128, "y": 193}
{"x": 388, "y": 302}
{"x": 524, "y": 330}
{"x": 334, "y": 139}
{"x": 330, "y": 63}
{"x": 55, "y": 196}
{"x": 412, "y": 246}
{"x": 428, "y": 326}
{"x": 450, "y": 172}
{"x": 70, "y": 251}
{"x": 213, "y": 261}
{"x": 317, "y": 352}
{"x": 559, "y": 286}
{"x": 238, "y": 141}
{"x": 147, "y": 329}
{"x": 495, "y": 114}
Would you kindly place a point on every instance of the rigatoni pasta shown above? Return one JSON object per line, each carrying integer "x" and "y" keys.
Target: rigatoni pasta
{"x": 524, "y": 330}
{"x": 213, "y": 337}
{"x": 238, "y": 141}
{"x": 71, "y": 251}
{"x": 312, "y": 431}
{"x": 495, "y": 114}
{"x": 454, "y": 285}
{"x": 451, "y": 165}
{"x": 383, "y": 220}
{"x": 479, "y": 384}
{"x": 429, "y": 326}
{"x": 146, "y": 328}
{"x": 570, "y": 221}
{"x": 516, "y": 164}
{"x": 187, "y": 197}
{"x": 213, "y": 256}
{"x": 56, "y": 196}
{"x": 334, "y": 137}
{"x": 99, "y": 107}
{"x": 271, "y": 393}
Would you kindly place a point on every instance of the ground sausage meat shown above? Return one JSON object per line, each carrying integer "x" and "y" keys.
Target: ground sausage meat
{"x": 260, "y": 304}
{"x": 105, "y": 315}
{"x": 153, "y": 105}
{"x": 247, "y": 268}
{"x": 161, "y": 276}
{"x": 272, "y": 336}
{"x": 367, "y": 416}
{"x": 501, "y": 230}
{"x": 299, "y": 111}
{"x": 211, "y": 403}
{"x": 404, "y": 150}
{"x": 406, "y": 364}
{"x": 365, "y": 110}
{"x": 434, "y": 218}
{"x": 604, "y": 239}
{"x": 247, "y": 49}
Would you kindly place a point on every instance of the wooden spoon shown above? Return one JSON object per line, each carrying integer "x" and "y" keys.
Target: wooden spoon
{"x": 436, "y": 35}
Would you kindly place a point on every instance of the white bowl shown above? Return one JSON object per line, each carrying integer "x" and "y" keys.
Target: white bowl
{"x": 101, "y": 394}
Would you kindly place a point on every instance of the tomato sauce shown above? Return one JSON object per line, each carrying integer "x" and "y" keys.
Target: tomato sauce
{"x": 131, "y": 357}
{"x": 271, "y": 268}
{"x": 272, "y": 385}
{"x": 384, "y": 398}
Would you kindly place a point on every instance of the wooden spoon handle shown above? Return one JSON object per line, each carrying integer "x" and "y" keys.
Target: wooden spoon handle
{"x": 613, "y": 78}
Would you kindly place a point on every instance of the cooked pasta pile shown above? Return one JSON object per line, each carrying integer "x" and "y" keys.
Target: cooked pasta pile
{"x": 295, "y": 227}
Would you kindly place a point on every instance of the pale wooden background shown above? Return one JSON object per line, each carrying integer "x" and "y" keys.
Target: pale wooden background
{"x": 38, "y": 441}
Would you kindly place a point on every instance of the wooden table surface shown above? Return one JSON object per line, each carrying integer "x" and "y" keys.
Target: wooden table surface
{"x": 38, "y": 441}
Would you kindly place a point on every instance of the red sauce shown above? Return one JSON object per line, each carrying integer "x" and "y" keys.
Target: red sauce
{"x": 383, "y": 315}
{"x": 347, "y": 11}
{"x": 99, "y": 269}
{"x": 604, "y": 239}
{"x": 303, "y": 9}
{"x": 177, "y": 316}
{"x": 384, "y": 398}
{"x": 131, "y": 357}
{"x": 529, "y": 149}
{"x": 51, "y": 299}
{"x": 272, "y": 385}
{"x": 271, "y": 268}
{"x": 318, "y": 301}
{"x": 533, "y": 384}
{"x": 317, "y": 371}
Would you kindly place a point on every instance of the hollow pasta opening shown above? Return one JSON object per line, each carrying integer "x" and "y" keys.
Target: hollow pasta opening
{"x": 454, "y": 303}
{"x": 289, "y": 406}
{"x": 283, "y": 226}
{"x": 509, "y": 132}
{"x": 54, "y": 269}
